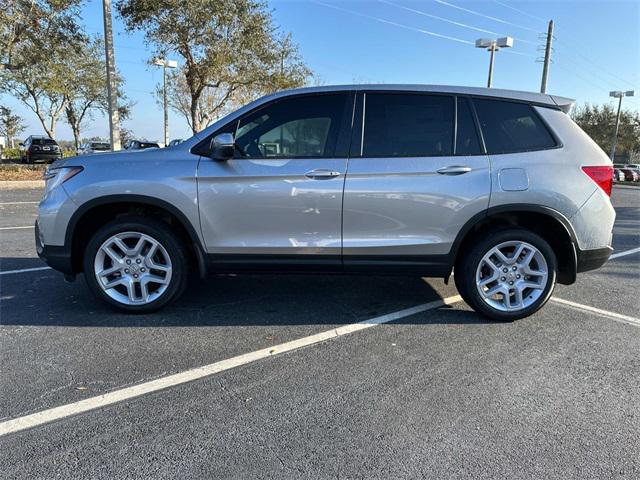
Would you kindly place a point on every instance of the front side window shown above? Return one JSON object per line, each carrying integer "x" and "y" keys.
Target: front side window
{"x": 407, "y": 125}
{"x": 307, "y": 127}
{"x": 509, "y": 127}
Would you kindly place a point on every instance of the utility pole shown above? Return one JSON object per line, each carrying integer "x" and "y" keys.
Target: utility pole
{"x": 547, "y": 58}
{"x": 493, "y": 46}
{"x": 619, "y": 95}
{"x": 112, "y": 95}
{"x": 161, "y": 62}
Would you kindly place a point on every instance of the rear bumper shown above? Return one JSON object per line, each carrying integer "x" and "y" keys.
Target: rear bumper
{"x": 592, "y": 259}
{"x": 57, "y": 257}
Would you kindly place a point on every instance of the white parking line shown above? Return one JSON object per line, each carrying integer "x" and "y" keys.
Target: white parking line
{"x": 58, "y": 413}
{"x": 19, "y": 203}
{"x": 598, "y": 311}
{"x": 625, "y": 253}
{"x": 24, "y": 270}
{"x": 16, "y": 228}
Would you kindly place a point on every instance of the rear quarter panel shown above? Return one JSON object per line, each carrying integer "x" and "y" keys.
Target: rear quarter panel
{"x": 556, "y": 180}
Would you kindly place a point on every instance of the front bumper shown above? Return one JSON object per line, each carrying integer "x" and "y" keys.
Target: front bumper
{"x": 57, "y": 257}
{"x": 592, "y": 259}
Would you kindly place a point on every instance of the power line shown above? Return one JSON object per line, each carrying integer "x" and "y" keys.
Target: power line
{"x": 594, "y": 65}
{"x": 495, "y": 19}
{"x": 453, "y": 22}
{"x": 519, "y": 11}
{"x": 388, "y": 22}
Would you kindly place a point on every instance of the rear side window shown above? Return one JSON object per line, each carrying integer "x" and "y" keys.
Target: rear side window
{"x": 467, "y": 141}
{"x": 407, "y": 125}
{"x": 511, "y": 127}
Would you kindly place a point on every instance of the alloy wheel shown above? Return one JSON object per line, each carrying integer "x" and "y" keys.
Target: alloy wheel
{"x": 512, "y": 276}
{"x": 133, "y": 268}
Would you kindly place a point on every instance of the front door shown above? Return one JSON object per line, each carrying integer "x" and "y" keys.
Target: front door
{"x": 412, "y": 182}
{"x": 281, "y": 196}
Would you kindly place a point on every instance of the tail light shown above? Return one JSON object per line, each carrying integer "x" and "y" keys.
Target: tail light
{"x": 602, "y": 175}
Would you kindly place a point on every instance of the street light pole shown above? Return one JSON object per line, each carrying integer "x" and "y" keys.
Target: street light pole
{"x": 112, "y": 97}
{"x": 619, "y": 95}
{"x": 492, "y": 49}
{"x": 165, "y": 64}
{"x": 493, "y": 46}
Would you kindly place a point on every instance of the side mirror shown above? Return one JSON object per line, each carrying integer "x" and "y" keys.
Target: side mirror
{"x": 21, "y": 144}
{"x": 222, "y": 146}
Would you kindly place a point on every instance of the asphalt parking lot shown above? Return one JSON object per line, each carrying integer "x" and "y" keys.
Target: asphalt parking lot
{"x": 439, "y": 392}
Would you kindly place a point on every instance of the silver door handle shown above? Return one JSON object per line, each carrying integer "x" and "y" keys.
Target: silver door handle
{"x": 322, "y": 173}
{"x": 454, "y": 170}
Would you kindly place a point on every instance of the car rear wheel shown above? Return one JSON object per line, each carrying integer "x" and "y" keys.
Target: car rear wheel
{"x": 136, "y": 264}
{"x": 507, "y": 274}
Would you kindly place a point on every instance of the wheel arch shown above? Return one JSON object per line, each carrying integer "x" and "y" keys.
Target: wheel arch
{"x": 547, "y": 222}
{"x": 95, "y": 213}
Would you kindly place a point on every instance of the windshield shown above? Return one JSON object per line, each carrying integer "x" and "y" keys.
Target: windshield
{"x": 42, "y": 141}
{"x": 100, "y": 146}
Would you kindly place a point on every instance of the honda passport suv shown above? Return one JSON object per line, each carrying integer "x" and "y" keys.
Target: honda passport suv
{"x": 500, "y": 188}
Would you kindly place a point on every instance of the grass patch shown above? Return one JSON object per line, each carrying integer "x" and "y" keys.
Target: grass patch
{"x": 22, "y": 172}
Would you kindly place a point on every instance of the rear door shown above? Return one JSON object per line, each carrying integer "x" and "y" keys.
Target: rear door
{"x": 417, "y": 173}
{"x": 280, "y": 198}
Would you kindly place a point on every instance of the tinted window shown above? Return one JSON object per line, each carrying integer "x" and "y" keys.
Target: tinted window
{"x": 306, "y": 126}
{"x": 407, "y": 125}
{"x": 511, "y": 127}
{"x": 42, "y": 141}
{"x": 467, "y": 141}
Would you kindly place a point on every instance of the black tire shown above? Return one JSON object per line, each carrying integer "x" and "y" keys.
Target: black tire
{"x": 162, "y": 233}
{"x": 466, "y": 267}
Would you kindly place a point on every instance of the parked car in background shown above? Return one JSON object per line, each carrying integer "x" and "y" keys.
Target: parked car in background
{"x": 630, "y": 175}
{"x": 39, "y": 149}
{"x": 140, "y": 145}
{"x": 174, "y": 142}
{"x": 618, "y": 175}
{"x": 633, "y": 166}
{"x": 369, "y": 179}
{"x": 89, "y": 148}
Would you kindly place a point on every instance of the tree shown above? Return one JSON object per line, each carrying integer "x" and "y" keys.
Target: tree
{"x": 599, "y": 122}
{"x": 229, "y": 49}
{"x": 11, "y": 125}
{"x": 36, "y": 38}
{"x": 85, "y": 88}
{"x": 31, "y": 30}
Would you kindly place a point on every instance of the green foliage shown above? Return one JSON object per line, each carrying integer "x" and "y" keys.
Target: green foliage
{"x": 599, "y": 121}
{"x": 11, "y": 125}
{"x": 31, "y": 31}
{"x": 11, "y": 153}
{"x": 230, "y": 50}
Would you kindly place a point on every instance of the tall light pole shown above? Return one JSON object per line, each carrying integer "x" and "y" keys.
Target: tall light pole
{"x": 619, "y": 95}
{"x": 493, "y": 46}
{"x": 112, "y": 96}
{"x": 161, "y": 62}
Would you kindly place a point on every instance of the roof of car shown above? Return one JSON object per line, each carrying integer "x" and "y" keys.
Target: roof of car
{"x": 562, "y": 103}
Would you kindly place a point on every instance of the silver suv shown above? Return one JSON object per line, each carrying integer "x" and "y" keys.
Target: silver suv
{"x": 500, "y": 187}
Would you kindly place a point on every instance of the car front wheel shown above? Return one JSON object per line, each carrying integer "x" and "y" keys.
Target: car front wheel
{"x": 136, "y": 264}
{"x": 507, "y": 274}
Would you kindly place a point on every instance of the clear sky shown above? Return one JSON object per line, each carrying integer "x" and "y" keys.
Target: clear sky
{"x": 596, "y": 49}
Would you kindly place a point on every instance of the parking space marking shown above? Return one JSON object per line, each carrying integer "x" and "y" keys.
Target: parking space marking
{"x": 16, "y": 228}
{"x": 19, "y": 203}
{"x": 598, "y": 311}
{"x": 128, "y": 393}
{"x": 24, "y": 270}
{"x": 625, "y": 253}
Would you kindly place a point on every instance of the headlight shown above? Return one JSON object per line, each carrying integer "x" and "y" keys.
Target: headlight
{"x": 57, "y": 176}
